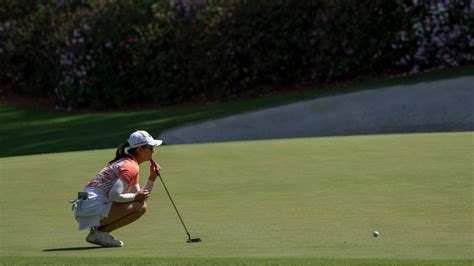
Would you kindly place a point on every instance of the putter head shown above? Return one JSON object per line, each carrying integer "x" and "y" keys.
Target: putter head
{"x": 193, "y": 240}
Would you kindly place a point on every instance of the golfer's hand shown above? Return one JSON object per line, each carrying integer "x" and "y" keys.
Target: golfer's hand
{"x": 154, "y": 169}
{"x": 142, "y": 195}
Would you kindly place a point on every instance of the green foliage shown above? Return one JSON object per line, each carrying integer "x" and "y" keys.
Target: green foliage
{"x": 111, "y": 53}
{"x": 351, "y": 39}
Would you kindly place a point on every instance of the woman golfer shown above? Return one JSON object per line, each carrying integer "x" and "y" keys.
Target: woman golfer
{"x": 113, "y": 198}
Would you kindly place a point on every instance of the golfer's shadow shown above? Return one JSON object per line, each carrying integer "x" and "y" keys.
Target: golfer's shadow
{"x": 72, "y": 248}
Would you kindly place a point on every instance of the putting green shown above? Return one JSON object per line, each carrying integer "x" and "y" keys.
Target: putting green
{"x": 311, "y": 198}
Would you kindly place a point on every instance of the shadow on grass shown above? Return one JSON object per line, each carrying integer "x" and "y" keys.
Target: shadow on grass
{"x": 72, "y": 248}
{"x": 29, "y": 131}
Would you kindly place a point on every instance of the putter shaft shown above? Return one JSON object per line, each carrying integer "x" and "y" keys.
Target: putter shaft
{"x": 177, "y": 212}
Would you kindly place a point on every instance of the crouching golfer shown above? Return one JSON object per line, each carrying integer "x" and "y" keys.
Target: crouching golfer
{"x": 113, "y": 198}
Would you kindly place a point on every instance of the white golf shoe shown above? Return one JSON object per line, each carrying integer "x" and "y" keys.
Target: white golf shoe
{"x": 102, "y": 239}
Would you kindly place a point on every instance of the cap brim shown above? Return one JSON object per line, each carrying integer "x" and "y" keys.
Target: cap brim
{"x": 156, "y": 142}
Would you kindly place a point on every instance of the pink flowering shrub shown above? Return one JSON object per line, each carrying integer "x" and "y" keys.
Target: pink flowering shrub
{"x": 102, "y": 57}
{"x": 439, "y": 34}
{"x": 30, "y": 35}
{"x": 99, "y": 54}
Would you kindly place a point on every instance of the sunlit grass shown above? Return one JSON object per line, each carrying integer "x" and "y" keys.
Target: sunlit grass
{"x": 296, "y": 201}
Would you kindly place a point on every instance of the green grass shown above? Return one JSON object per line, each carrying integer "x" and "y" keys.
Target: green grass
{"x": 297, "y": 201}
{"x": 28, "y": 131}
{"x": 225, "y": 261}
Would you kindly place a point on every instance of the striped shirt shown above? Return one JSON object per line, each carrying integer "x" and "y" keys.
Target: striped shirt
{"x": 126, "y": 169}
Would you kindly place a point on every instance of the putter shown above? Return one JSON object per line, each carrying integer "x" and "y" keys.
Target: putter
{"x": 190, "y": 240}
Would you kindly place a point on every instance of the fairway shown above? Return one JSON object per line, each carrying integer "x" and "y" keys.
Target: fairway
{"x": 309, "y": 200}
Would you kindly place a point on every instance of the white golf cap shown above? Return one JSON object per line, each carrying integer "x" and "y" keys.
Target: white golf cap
{"x": 141, "y": 137}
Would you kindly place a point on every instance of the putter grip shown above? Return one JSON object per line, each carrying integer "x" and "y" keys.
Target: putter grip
{"x": 157, "y": 172}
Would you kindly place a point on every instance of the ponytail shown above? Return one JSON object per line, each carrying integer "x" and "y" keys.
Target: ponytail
{"x": 120, "y": 153}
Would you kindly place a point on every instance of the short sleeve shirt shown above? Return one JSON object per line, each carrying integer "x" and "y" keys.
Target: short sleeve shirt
{"x": 125, "y": 169}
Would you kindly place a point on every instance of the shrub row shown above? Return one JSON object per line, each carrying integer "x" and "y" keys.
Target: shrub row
{"x": 101, "y": 54}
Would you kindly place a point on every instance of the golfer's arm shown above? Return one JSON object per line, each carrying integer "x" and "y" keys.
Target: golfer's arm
{"x": 116, "y": 193}
{"x": 135, "y": 188}
{"x": 149, "y": 185}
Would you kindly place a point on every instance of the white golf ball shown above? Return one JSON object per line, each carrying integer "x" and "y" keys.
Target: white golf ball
{"x": 376, "y": 233}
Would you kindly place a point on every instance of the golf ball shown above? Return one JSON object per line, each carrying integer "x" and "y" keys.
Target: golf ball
{"x": 376, "y": 233}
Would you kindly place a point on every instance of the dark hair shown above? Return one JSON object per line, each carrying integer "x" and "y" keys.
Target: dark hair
{"x": 120, "y": 153}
